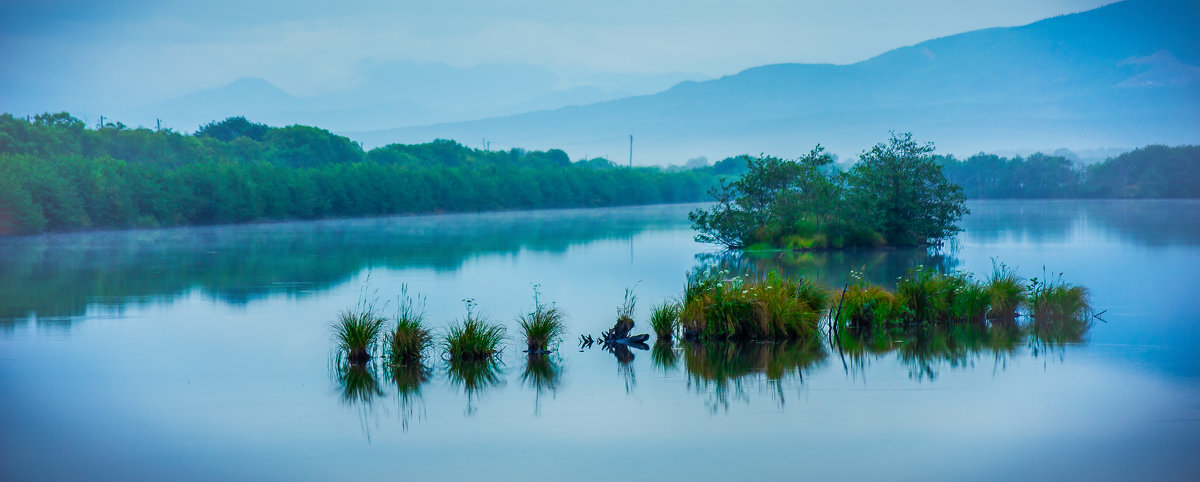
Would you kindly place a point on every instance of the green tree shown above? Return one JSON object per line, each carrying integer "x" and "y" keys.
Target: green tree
{"x": 897, "y": 189}
{"x": 770, "y": 200}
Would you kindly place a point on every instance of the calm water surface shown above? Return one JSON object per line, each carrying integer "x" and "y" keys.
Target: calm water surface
{"x": 204, "y": 353}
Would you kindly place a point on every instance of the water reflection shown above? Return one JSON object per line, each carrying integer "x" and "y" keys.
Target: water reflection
{"x": 832, "y": 268}
{"x": 359, "y": 388}
{"x": 664, "y": 356}
{"x": 358, "y": 384}
{"x": 474, "y": 378}
{"x": 722, "y": 370}
{"x": 543, "y": 373}
{"x": 408, "y": 380}
{"x": 59, "y": 276}
{"x": 1142, "y": 222}
{"x": 624, "y": 355}
{"x": 926, "y": 349}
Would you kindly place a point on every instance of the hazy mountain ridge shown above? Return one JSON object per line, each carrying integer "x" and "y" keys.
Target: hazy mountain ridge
{"x": 393, "y": 94}
{"x": 1123, "y": 74}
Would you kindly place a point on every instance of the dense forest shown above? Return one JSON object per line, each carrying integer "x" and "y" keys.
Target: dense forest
{"x": 1148, "y": 172}
{"x": 56, "y": 174}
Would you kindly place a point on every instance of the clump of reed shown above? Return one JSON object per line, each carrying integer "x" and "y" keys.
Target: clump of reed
{"x": 769, "y": 308}
{"x": 542, "y": 327}
{"x": 1007, "y": 292}
{"x": 1059, "y": 309}
{"x": 864, "y": 306}
{"x": 474, "y": 338}
{"x": 927, "y": 296}
{"x": 971, "y": 302}
{"x": 409, "y": 339}
{"x": 356, "y": 332}
{"x": 664, "y": 318}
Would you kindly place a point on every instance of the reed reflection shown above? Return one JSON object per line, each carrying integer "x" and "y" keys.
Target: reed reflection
{"x": 408, "y": 380}
{"x": 722, "y": 371}
{"x": 474, "y": 378}
{"x": 664, "y": 356}
{"x": 543, "y": 373}
{"x": 927, "y": 349}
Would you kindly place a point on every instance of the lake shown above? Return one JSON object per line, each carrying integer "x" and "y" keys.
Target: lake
{"x": 205, "y": 353}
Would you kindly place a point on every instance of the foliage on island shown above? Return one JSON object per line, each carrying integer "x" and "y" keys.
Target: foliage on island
{"x": 56, "y": 174}
{"x": 896, "y": 195}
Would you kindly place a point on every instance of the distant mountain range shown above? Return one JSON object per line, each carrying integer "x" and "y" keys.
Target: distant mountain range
{"x": 394, "y": 94}
{"x": 1126, "y": 74}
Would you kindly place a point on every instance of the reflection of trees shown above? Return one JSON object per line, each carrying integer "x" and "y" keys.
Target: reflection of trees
{"x": 1143, "y": 222}
{"x": 721, "y": 369}
{"x": 830, "y": 268}
{"x": 58, "y": 276}
{"x": 474, "y": 378}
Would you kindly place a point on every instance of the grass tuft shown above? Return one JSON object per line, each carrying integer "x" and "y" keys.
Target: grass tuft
{"x": 357, "y": 333}
{"x": 664, "y": 318}
{"x": 1060, "y": 311}
{"x": 409, "y": 339}
{"x": 865, "y": 306}
{"x": 771, "y": 308}
{"x": 474, "y": 338}
{"x": 543, "y": 327}
{"x": 1007, "y": 291}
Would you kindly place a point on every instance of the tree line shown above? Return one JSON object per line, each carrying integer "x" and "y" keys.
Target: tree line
{"x": 56, "y": 174}
{"x": 1149, "y": 172}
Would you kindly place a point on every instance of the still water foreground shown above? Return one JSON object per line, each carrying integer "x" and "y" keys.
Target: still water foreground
{"x": 204, "y": 353}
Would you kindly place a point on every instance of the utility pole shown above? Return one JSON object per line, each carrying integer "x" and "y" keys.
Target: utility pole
{"x": 631, "y": 151}
{"x": 158, "y": 124}
{"x": 101, "y": 123}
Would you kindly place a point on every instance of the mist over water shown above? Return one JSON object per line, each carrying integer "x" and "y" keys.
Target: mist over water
{"x": 205, "y": 353}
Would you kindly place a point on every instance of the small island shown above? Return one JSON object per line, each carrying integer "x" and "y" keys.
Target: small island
{"x": 895, "y": 195}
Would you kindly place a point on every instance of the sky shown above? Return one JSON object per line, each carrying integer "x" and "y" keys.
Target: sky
{"x": 92, "y": 55}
